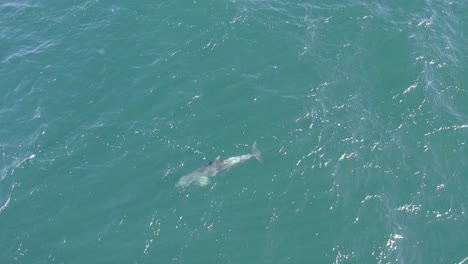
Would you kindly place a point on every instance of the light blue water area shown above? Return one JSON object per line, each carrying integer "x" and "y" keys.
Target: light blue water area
{"x": 360, "y": 111}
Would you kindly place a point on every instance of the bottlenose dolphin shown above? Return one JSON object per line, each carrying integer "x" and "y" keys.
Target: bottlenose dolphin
{"x": 200, "y": 175}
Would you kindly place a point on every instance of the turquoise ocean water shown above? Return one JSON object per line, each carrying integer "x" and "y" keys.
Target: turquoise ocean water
{"x": 360, "y": 110}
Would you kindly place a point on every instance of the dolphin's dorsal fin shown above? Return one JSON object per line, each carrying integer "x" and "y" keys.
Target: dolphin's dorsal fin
{"x": 218, "y": 158}
{"x": 256, "y": 152}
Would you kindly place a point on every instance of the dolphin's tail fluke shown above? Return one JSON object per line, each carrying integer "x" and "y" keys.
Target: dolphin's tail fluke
{"x": 256, "y": 152}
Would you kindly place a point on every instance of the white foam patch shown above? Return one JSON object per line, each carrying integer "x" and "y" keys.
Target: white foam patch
{"x": 5, "y": 205}
{"x": 203, "y": 180}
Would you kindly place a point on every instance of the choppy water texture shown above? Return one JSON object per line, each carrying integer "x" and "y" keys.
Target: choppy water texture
{"x": 360, "y": 109}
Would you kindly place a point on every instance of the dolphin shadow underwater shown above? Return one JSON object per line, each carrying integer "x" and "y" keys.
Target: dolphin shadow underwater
{"x": 201, "y": 175}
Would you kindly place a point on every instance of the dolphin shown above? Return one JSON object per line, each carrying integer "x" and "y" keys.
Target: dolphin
{"x": 201, "y": 175}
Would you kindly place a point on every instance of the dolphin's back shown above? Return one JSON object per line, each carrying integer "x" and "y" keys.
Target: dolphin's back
{"x": 201, "y": 175}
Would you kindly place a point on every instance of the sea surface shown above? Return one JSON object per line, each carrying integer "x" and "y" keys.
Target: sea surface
{"x": 359, "y": 108}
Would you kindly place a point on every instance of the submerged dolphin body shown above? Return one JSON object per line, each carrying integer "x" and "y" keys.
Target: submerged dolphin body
{"x": 200, "y": 175}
